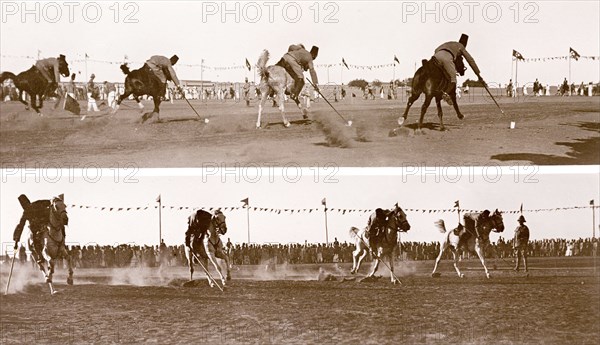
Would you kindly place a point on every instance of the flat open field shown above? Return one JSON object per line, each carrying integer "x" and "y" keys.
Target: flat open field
{"x": 549, "y": 131}
{"x": 557, "y": 303}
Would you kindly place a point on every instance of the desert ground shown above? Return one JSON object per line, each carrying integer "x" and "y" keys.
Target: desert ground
{"x": 549, "y": 130}
{"x": 555, "y": 303}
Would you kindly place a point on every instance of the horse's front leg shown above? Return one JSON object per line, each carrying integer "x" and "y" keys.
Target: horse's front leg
{"x": 438, "y": 104}
{"x": 67, "y": 257}
{"x": 375, "y": 266}
{"x": 221, "y": 255}
{"x": 213, "y": 259}
{"x": 413, "y": 97}
{"x": 455, "y": 258}
{"x": 479, "y": 251}
{"x": 455, "y": 105}
{"x": 392, "y": 275}
{"x": 357, "y": 256}
{"x": 437, "y": 260}
{"x": 189, "y": 256}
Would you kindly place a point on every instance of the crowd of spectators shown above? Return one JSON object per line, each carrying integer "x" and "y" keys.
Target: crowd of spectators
{"x": 126, "y": 255}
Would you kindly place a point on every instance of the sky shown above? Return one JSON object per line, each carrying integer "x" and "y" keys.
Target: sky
{"x": 493, "y": 188}
{"x": 364, "y": 33}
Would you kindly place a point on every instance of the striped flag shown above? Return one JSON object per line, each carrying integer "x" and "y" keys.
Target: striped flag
{"x": 517, "y": 55}
{"x": 574, "y": 55}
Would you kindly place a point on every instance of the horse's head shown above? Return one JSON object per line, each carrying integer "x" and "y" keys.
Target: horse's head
{"x": 58, "y": 212}
{"x": 63, "y": 66}
{"x": 496, "y": 222}
{"x": 219, "y": 223}
{"x": 397, "y": 219}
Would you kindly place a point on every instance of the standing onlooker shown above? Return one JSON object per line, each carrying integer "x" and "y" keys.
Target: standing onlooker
{"x": 246, "y": 90}
{"x": 92, "y": 94}
{"x": 521, "y": 243}
{"x": 111, "y": 94}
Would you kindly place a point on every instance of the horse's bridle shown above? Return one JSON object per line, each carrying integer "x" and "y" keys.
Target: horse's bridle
{"x": 399, "y": 222}
{"x": 221, "y": 226}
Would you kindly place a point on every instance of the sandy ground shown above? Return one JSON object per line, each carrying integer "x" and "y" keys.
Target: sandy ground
{"x": 549, "y": 131}
{"x": 557, "y": 303}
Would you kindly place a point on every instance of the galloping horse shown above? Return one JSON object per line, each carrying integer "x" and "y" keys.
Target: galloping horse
{"x": 276, "y": 81}
{"x": 141, "y": 82}
{"x": 203, "y": 242}
{"x": 35, "y": 84}
{"x": 464, "y": 238}
{"x": 431, "y": 80}
{"x": 53, "y": 243}
{"x": 385, "y": 244}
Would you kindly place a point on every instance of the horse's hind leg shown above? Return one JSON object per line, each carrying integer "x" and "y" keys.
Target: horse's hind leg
{"x": 426, "y": 104}
{"x": 22, "y": 100}
{"x": 261, "y": 105}
{"x": 357, "y": 256}
{"x": 438, "y": 103}
{"x": 413, "y": 97}
{"x": 281, "y": 94}
{"x": 437, "y": 260}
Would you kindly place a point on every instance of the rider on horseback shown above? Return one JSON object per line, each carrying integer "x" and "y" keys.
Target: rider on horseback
{"x": 162, "y": 68}
{"x": 49, "y": 68}
{"x": 38, "y": 216}
{"x": 476, "y": 222}
{"x": 376, "y": 226}
{"x": 447, "y": 55}
{"x": 295, "y": 62}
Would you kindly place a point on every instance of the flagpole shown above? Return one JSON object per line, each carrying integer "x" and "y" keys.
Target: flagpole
{"x": 593, "y": 220}
{"x": 159, "y": 219}
{"x": 516, "y": 76}
{"x": 248, "y": 220}
{"x": 569, "y": 73}
{"x": 512, "y": 66}
{"x": 326, "y": 230}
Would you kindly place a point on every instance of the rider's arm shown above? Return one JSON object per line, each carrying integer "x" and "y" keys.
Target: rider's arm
{"x": 471, "y": 61}
{"x": 19, "y": 229}
{"x": 173, "y": 75}
{"x": 313, "y": 73}
{"x": 56, "y": 71}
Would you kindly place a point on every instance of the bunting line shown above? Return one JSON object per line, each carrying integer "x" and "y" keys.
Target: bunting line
{"x": 343, "y": 211}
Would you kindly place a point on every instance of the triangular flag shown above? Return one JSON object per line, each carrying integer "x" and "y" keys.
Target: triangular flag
{"x": 396, "y": 59}
{"x": 158, "y": 199}
{"x": 248, "y": 65}
{"x": 245, "y": 201}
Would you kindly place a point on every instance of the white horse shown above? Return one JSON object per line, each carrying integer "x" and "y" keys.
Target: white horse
{"x": 204, "y": 231}
{"x": 385, "y": 244}
{"x": 465, "y": 238}
{"x": 275, "y": 81}
{"x": 53, "y": 239}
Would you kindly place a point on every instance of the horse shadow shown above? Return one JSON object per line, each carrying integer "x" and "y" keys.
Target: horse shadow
{"x": 305, "y": 122}
{"x": 583, "y": 151}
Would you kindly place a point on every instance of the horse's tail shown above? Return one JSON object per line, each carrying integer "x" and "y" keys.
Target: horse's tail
{"x": 7, "y": 75}
{"x": 125, "y": 69}
{"x": 262, "y": 64}
{"x": 353, "y": 232}
{"x": 441, "y": 226}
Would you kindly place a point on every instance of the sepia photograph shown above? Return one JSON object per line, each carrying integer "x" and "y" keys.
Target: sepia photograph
{"x": 299, "y": 172}
{"x": 354, "y": 83}
{"x": 297, "y": 258}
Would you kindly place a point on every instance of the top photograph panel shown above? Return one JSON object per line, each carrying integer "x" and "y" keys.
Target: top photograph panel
{"x": 345, "y": 83}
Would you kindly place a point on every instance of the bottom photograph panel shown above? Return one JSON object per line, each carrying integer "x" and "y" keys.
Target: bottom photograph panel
{"x": 226, "y": 258}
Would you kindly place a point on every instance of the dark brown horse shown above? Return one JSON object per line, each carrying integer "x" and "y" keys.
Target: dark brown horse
{"x": 35, "y": 84}
{"x": 141, "y": 82}
{"x": 431, "y": 80}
